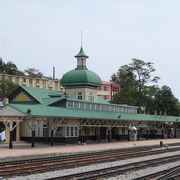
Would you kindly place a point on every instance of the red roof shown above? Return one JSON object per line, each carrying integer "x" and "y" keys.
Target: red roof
{"x": 107, "y": 83}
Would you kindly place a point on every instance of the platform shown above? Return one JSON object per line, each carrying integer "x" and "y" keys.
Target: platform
{"x": 25, "y": 151}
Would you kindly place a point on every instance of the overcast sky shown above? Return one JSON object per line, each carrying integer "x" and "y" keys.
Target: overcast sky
{"x": 46, "y": 33}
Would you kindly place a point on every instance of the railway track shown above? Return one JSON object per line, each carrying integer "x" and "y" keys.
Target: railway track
{"x": 115, "y": 171}
{"x": 168, "y": 174}
{"x": 26, "y": 167}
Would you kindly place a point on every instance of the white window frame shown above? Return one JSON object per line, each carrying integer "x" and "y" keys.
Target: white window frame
{"x": 45, "y": 130}
{"x": 72, "y": 131}
{"x": 80, "y": 96}
{"x": 91, "y": 98}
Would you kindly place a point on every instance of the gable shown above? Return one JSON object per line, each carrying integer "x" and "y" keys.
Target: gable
{"x": 39, "y": 94}
{"x": 35, "y": 95}
{"x": 10, "y": 111}
{"x": 22, "y": 97}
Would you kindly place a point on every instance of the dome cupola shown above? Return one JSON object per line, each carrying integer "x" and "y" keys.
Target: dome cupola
{"x": 81, "y": 75}
{"x": 81, "y": 59}
{"x": 81, "y": 83}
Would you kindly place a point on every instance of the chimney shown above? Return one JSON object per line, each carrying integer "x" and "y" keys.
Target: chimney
{"x": 53, "y": 73}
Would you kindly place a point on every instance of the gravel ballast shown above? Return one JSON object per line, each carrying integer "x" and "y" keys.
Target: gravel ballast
{"x": 130, "y": 175}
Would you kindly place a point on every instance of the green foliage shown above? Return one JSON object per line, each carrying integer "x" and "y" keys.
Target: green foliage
{"x": 165, "y": 102}
{"x": 6, "y": 88}
{"x": 149, "y": 99}
{"x": 139, "y": 89}
{"x": 33, "y": 72}
{"x": 2, "y": 65}
{"x": 178, "y": 107}
{"x": 9, "y": 68}
{"x": 134, "y": 78}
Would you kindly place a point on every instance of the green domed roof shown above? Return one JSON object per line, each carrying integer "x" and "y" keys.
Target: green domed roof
{"x": 80, "y": 77}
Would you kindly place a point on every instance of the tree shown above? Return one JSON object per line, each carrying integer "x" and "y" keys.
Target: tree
{"x": 178, "y": 106}
{"x": 165, "y": 102}
{"x": 149, "y": 99}
{"x": 142, "y": 72}
{"x": 9, "y": 68}
{"x": 6, "y": 88}
{"x": 33, "y": 72}
{"x": 134, "y": 79}
{"x": 2, "y": 65}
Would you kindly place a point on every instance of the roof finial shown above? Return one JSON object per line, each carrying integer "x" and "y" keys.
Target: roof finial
{"x": 81, "y": 52}
{"x": 81, "y": 37}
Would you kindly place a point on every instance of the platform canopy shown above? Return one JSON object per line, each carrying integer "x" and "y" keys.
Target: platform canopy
{"x": 40, "y": 103}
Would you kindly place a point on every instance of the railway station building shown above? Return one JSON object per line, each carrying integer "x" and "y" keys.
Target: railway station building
{"x": 78, "y": 114}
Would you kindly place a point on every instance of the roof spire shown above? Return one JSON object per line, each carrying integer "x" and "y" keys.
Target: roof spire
{"x": 81, "y": 52}
{"x": 81, "y": 37}
{"x": 81, "y": 56}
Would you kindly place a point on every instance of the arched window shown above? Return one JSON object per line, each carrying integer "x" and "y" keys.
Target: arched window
{"x": 45, "y": 130}
{"x": 91, "y": 97}
{"x": 79, "y": 95}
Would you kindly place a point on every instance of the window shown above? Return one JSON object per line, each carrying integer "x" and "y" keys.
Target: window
{"x": 59, "y": 132}
{"x": 79, "y": 95}
{"x": 123, "y": 130}
{"x": 116, "y": 109}
{"x": 125, "y": 110}
{"x": 88, "y": 106}
{"x": 69, "y": 104}
{"x": 44, "y": 83}
{"x": 76, "y": 105}
{"x": 45, "y": 130}
{"x": 37, "y": 81}
{"x": 91, "y": 98}
{"x": 56, "y": 85}
{"x": 108, "y": 108}
{"x": 34, "y": 127}
{"x": 82, "y": 105}
{"x": 67, "y": 131}
{"x": 98, "y": 107}
{"x": 121, "y": 109}
{"x": 72, "y": 131}
{"x": 103, "y": 107}
{"x": 93, "y": 106}
{"x": 79, "y": 63}
{"x": 76, "y": 131}
{"x": 106, "y": 97}
{"x": 30, "y": 81}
